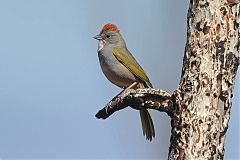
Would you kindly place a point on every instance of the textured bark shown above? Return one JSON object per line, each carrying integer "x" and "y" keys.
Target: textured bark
{"x": 204, "y": 96}
{"x": 200, "y": 107}
{"x": 138, "y": 99}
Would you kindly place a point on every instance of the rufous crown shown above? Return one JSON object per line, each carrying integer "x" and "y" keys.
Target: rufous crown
{"x": 109, "y": 27}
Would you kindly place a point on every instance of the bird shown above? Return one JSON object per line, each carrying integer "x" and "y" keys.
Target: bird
{"x": 122, "y": 69}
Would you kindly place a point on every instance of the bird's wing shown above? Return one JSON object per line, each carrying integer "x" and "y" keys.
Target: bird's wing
{"x": 129, "y": 62}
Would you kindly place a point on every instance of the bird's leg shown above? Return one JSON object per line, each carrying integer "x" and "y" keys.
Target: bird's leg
{"x": 126, "y": 89}
{"x": 131, "y": 86}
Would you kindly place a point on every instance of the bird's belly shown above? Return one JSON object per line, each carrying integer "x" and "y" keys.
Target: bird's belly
{"x": 117, "y": 73}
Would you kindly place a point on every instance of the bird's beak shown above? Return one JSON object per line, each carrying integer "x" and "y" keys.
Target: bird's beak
{"x": 98, "y": 37}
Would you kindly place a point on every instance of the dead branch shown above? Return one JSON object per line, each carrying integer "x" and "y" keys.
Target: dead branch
{"x": 148, "y": 98}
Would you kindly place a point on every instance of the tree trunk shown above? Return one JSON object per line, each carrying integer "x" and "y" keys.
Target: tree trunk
{"x": 204, "y": 96}
{"x": 200, "y": 107}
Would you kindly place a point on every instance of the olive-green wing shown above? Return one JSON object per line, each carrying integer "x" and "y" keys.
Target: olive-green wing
{"x": 126, "y": 58}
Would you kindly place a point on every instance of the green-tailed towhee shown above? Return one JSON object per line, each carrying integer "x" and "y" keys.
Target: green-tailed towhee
{"x": 122, "y": 69}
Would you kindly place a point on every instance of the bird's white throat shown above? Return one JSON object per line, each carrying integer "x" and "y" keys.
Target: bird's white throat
{"x": 100, "y": 45}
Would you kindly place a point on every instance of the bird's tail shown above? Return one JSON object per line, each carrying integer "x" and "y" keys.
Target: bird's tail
{"x": 147, "y": 124}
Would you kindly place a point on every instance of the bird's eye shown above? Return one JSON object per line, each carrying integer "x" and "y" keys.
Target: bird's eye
{"x": 108, "y": 35}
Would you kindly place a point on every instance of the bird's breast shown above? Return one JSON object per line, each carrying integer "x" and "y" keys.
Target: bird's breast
{"x": 114, "y": 70}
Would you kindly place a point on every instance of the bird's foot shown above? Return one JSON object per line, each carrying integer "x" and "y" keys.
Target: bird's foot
{"x": 126, "y": 89}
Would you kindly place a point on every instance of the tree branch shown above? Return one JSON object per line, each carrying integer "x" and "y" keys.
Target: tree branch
{"x": 148, "y": 98}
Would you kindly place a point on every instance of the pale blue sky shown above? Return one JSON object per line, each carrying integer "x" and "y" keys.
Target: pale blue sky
{"x": 52, "y": 84}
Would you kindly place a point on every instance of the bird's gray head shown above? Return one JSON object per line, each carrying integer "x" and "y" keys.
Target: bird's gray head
{"x": 109, "y": 34}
